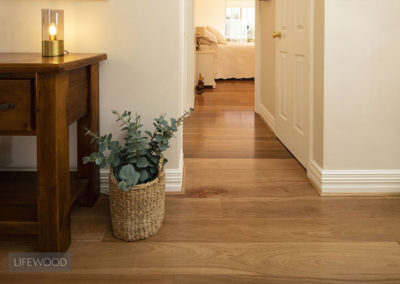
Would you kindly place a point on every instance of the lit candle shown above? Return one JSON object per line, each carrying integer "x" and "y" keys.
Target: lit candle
{"x": 53, "y": 32}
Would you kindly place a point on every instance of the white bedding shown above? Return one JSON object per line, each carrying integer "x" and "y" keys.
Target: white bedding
{"x": 235, "y": 60}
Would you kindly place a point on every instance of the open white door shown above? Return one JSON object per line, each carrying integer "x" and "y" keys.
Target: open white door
{"x": 293, "y": 75}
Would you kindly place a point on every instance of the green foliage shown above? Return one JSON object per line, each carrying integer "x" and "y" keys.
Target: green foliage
{"x": 135, "y": 162}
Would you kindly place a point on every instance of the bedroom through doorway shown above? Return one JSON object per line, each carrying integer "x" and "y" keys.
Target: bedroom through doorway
{"x": 224, "y": 44}
{"x": 252, "y": 68}
{"x": 230, "y": 153}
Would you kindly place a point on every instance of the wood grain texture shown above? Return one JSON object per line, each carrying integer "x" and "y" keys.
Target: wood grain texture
{"x": 78, "y": 94}
{"x": 224, "y": 125}
{"x": 19, "y": 194}
{"x": 49, "y": 94}
{"x": 35, "y": 63}
{"x": 21, "y": 94}
{"x": 272, "y": 279}
{"x": 316, "y": 260}
{"x": 272, "y": 230}
{"x": 248, "y": 215}
{"x": 67, "y": 278}
{"x": 53, "y": 161}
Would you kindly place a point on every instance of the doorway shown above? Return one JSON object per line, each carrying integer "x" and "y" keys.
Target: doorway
{"x": 283, "y": 89}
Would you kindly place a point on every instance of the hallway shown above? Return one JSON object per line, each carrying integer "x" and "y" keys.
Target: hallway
{"x": 248, "y": 215}
{"x": 229, "y": 150}
{"x": 224, "y": 126}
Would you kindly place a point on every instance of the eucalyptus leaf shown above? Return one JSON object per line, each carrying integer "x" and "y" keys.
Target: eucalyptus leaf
{"x": 129, "y": 175}
{"x": 85, "y": 160}
{"x": 126, "y": 172}
{"x": 159, "y": 138}
{"x": 142, "y": 162}
{"x": 102, "y": 147}
{"x": 144, "y": 175}
{"x": 163, "y": 147}
{"x": 123, "y": 186}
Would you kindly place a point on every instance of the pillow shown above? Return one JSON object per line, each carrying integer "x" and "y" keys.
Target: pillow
{"x": 204, "y": 41}
{"x": 221, "y": 39}
{"x": 210, "y": 36}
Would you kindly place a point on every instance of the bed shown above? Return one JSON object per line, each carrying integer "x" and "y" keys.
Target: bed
{"x": 232, "y": 60}
{"x": 235, "y": 60}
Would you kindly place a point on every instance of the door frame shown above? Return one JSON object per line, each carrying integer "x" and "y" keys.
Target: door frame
{"x": 187, "y": 58}
{"x": 187, "y": 82}
{"x": 258, "y": 89}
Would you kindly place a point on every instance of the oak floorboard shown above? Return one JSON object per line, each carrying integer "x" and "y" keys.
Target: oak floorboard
{"x": 340, "y": 207}
{"x": 193, "y": 207}
{"x": 271, "y": 279}
{"x": 248, "y": 176}
{"x": 64, "y": 278}
{"x": 283, "y": 207}
{"x": 277, "y": 230}
{"x": 89, "y": 228}
{"x": 245, "y": 164}
{"x": 206, "y": 188}
{"x": 368, "y": 261}
{"x": 100, "y": 209}
{"x": 221, "y": 178}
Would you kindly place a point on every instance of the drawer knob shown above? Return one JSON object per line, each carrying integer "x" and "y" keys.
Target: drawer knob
{"x": 6, "y": 106}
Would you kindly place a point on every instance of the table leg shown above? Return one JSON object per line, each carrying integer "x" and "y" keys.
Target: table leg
{"x": 52, "y": 132}
{"x": 90, "y": 121}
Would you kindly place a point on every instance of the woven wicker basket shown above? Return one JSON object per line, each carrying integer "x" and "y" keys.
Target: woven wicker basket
{"x": 138, "y": 213}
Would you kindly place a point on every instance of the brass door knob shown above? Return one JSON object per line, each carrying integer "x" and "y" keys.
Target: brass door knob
{"x": 277, "y": 35}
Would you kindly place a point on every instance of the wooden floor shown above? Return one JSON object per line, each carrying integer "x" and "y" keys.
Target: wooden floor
{"x": 248, "y": 215}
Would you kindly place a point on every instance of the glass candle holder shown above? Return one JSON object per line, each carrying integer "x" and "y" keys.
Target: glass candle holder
{"x": 52, "y": 32}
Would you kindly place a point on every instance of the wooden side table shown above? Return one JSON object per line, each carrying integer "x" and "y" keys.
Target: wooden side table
{"x": 41, "y": 97}
{"x": 205, "y": 65}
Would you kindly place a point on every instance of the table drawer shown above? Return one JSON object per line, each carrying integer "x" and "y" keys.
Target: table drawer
{"x": 16, "y": 105}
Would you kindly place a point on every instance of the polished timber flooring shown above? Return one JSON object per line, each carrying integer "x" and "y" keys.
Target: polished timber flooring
{"x": 248, "y": 215}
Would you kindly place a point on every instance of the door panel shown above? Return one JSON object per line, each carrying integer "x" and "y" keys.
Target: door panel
{"x": 300, "y": 14}
{"x": 292, "y": 75}
{"x": 283, "y": 14}
{"x": 283, "y": 84}
{"x": 298, "y": 95}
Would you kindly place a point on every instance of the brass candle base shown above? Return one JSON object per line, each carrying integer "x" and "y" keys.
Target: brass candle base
{"x": 52, "y": 48}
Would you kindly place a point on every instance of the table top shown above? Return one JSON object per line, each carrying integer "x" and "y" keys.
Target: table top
{"x": 34, "y": 62}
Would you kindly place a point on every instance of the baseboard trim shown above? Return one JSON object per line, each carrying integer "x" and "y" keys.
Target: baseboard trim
{"x": 267, "y": 116}
{"x": 354, "y": 182}
{"x": 105, "y": 181}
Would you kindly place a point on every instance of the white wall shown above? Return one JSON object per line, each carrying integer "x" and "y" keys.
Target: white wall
{"x": 210, "y": 13}
{"x": 141, "y": 74}
{"x": 362, "y": 85}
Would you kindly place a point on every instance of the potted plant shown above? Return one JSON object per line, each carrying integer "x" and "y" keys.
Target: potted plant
{"x": 137, "y": 175}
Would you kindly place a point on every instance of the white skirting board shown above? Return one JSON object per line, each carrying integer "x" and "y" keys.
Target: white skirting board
{"x": 173, "y": 179}
{"x": 355, "y": 182}
{"x": 266, "y": 116}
